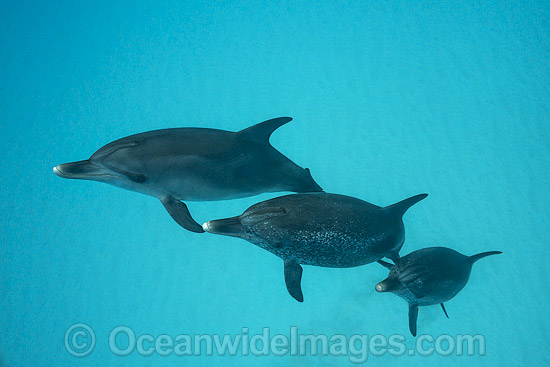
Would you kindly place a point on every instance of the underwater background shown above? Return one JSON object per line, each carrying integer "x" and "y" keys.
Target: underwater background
{"x": 389, "y": 100}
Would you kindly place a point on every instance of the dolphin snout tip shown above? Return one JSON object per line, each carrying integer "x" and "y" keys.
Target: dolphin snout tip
{"x": 379, "y": 287}
{"x": 57, "y": 171}
{"x": 206, "y": 227}
{"x": 62, "y": 170}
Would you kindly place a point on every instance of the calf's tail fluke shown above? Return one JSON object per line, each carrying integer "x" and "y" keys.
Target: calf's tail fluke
{"x": 228, "y": 226}
{"x": 475, "y": 258}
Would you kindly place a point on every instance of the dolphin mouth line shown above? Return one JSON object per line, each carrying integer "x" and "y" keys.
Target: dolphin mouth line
{"x": 58, "y": 170}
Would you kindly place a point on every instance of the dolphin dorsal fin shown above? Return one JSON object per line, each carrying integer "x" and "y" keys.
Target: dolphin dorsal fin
{"x": 475, "y": 258}
{"x": 262, "y": 131}
{"x": 401, "y": 207}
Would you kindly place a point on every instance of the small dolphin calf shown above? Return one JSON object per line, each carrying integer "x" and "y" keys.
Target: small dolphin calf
{"x": 195, "y": 164}
{"x": 319, "y": 229}
{"x": 428, "y": 276}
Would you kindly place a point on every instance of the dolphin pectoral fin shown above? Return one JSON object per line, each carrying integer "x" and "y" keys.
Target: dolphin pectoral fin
{"x": 83, "y": 170}
{"x": 394, "y": 257}
{"x": 386, "y": 264}
{"x": 413, "y": 315}
{"x": 262, "y": 131}
{"x": 293, "y": 278}
{"x": 444, "y": 310}
{"x": 179, "y": 212}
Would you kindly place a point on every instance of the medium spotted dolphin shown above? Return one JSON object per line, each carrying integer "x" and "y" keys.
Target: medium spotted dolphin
{"x": 195, "y": 164}
{"x": 319, "y": 229}
{"x": 429, "y": 276}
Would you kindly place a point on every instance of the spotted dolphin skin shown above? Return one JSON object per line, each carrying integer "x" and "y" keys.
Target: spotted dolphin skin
{"x": 429, "y": 276}
{"x": 319, "y": 229}
{"x": 195, "y": 164}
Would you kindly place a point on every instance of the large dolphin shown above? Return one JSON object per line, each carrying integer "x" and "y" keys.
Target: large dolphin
{"x": 195, "y": 164}
{"x": 319, "y": 229}
{"x": 428, "y": 276}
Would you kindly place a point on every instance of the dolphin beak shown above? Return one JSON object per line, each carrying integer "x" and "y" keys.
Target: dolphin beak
{"x": 206, "y": 226}
{"x": 84, "y": 170}
{"x": 387, "y": 285}
{"x": 58, "y": 170}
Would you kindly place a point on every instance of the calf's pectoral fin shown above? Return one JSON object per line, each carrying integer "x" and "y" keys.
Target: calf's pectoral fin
{"x": 293, "y": 278}
{"x": 413, "y": 315}
{"x": 444, "y": 310}
{"x": 179, "y": 212}
{"x": 385, "y": 264}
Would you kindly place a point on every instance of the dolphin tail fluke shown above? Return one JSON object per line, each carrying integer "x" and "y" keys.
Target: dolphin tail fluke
{"x": 228, "y": 226}
{"x": 475, "y": 258}
{"x": 83, "y": 170}
{"x": 401, "y": 207}
{"x": 179, "y": 212}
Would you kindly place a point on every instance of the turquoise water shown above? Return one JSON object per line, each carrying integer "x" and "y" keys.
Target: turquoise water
{"x": 389, "y": 99}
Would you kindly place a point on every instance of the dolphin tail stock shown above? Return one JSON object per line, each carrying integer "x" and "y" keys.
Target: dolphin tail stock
{"x": 475, "y": 258}
{"x": 83, "y": 170}
{"x": 401, "y": 207}
{"x": 228, "y": 226}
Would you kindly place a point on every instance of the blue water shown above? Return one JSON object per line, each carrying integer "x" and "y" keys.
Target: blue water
{"x": 389, "y": 99}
